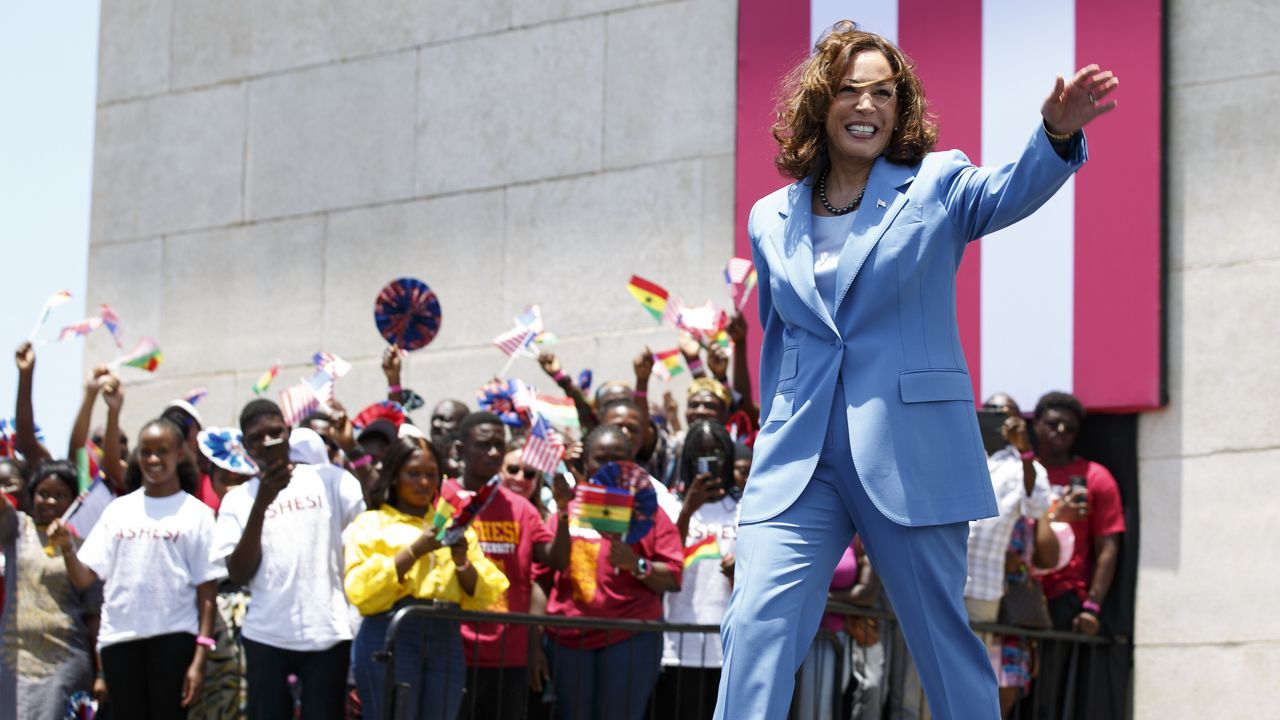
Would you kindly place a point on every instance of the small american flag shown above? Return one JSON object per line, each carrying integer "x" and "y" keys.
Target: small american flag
{"x": 80, "y": 329}
{"x": 334, "y": 366}
{"x": 543, "y": 449}
{"x": 518, "y": 341}
{"x": 297, "y": 402}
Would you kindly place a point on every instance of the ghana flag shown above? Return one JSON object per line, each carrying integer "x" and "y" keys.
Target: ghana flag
{"x": 652, "y": 296}
{"x": 705, "y": 549}
{"x": 603, "y": 509}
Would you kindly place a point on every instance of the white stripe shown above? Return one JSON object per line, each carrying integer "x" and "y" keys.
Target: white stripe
{"x": 1027, "y": 269}
{"x": 877, "y": 16}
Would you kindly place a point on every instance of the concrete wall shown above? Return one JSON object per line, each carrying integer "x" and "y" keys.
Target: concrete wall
{"x": 263, "y": 169}
{"x": 1208, "y": 637}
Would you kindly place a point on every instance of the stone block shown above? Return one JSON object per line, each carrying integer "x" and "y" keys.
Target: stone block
{"x": 169, "y": 163}
{"x": 334, "y": 136}
{"x": 1218, "y": 543}
{"x": 126, "y": 276}
{"x": 1222, "y": 139}
{"x": 670, "y": 88}
{"x": 582, "y": 239}
{"x": 290, "y": 33}
{"x": 212, "y": 41}
{"x": 133, "y": 48}
{"x": 1199, "y": 32}
{"x": 529, "y": 13}
{"x": 239, "y": 299}
{"x": 1227, "y": 681}
{"x": 1222, "y": 357}
{"x": 717, "y": 225}
{"x": 513, "y": 107}
{"x": 454, "y": 244}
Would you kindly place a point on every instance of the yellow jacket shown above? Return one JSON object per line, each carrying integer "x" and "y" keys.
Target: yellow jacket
{"x": 374, "y": 538}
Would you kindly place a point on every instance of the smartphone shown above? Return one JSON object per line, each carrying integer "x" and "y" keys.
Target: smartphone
{"x": 1079, "y": 490}
{"x": 989, "y": 424}
{"x": 276, "y": 450}
{"x": 709, "y": 464}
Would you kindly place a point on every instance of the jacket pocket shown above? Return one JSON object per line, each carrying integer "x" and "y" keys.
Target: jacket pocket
{"x": 934, "y": 385}
{"x": 790, "y": 359}
{"x": 780, "y": 409}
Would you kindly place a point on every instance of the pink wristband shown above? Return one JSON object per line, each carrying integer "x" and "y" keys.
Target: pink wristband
{"x": 1029, "y": 455}
{"x": 361, "y": 461}
{"x": 641, "y": 393}
{"x": 695, "y": 365}
{"x": 559, "y": 376}
{"x": 1091, "y": 606}
{"x": 207, "y": 642}
{"x": 394, "y": 389}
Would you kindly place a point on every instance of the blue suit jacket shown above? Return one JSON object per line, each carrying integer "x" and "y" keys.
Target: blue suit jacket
{"x": 893, "y": 341}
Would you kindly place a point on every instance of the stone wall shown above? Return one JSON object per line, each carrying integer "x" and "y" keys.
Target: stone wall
{"x": 262, "y": 169}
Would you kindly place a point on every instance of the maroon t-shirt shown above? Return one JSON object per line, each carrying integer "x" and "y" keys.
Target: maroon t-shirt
{"x": 1106, "y": 517}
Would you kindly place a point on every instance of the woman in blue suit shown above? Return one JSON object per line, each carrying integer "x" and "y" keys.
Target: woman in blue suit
{"x": 868, "y": 411}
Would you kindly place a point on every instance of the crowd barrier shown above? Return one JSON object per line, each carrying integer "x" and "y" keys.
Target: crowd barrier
{"x": 841, "y": 679}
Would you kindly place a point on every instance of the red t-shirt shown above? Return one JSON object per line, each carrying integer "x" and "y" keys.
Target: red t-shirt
{"x": 589, "y": 587}
{"x": 508, "y": 529}
{"x": 1106, "y": 517}
{"x": 206, "y": 495}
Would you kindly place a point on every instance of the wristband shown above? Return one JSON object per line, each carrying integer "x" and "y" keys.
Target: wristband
{"x": 394, "y": 389}
{"x": 465, "y": 566}
{"x": 641, "y": 394}
{"x": 1056, "y": 137}
{"x": 695, "y": 365}
{"x": 559, "y": 376}
{"x": 1029, "y": 455}
{"x": 1091, "y": 606}
{"x": 206, "y": 641}
{"x": 361, "y": 461}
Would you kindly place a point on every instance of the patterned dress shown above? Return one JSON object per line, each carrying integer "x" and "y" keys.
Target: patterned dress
{"x": 44, "y": 639}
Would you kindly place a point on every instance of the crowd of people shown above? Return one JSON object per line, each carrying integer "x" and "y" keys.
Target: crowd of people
{"x": 207, "y": 590}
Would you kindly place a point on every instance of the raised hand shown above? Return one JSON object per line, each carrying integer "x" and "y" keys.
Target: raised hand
{"x": 59, "y": 534}
{"x": 1076, "y": 102}
{"x": 25, "y": 357}
{"x": 391, "y": 361}
{"x": 643, "y": 365}
{"x": 549, "y": 362}
{"x": 112, "y": 391}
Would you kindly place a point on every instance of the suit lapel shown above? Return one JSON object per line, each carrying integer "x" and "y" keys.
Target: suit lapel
{"x": 795, "y": 246}
{"x": 883, "y": 200}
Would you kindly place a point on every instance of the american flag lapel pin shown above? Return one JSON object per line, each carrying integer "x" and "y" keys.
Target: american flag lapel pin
{"x": 881, "y": 203}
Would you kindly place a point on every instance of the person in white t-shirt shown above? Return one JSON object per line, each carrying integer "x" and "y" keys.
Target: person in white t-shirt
{"x": 708, "y": 525}
{"x": 151, "y": 550}
{"x": 281, "y": 535}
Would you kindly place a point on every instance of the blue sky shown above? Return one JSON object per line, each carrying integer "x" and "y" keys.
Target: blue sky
{"x": 48, "y": 82}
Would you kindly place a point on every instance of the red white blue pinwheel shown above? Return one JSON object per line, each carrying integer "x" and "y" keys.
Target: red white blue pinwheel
{"x": 407, "y": 313}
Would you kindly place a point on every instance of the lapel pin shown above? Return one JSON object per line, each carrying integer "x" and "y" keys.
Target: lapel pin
{"x": 880, "y": 203}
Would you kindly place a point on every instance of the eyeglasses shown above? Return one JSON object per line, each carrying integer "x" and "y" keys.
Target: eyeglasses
{"x": 529, "y": 473}
{"x": 879, "y": 95}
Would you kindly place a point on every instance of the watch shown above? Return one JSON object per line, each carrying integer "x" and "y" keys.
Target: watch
{"x": 643, "y": 568}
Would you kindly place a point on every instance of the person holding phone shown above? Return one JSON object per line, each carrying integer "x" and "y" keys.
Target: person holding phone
{"x": 1088, "y": 498}
{"x": 281, "y": 535}
{"x": 708, "y": 521}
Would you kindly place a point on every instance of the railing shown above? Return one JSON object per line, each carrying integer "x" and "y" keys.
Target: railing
{"x": 829, "y": 685}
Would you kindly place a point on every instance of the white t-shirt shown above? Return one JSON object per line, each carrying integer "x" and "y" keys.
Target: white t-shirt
{"x": 704, "y": 590}
{"x": 297, "y": 598}
{"x": 151, "y": 553}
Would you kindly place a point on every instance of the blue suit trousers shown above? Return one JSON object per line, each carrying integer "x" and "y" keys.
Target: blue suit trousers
{"x": 783, "y": 571}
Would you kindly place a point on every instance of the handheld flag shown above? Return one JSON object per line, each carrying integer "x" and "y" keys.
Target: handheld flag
{"x": 330, "y": 364}
{"x": 112, "y": 322}
{"x": 651, "y": 295}
{"x": 705, "y": 549}
{"x": 146, "y": 355}
{"x": 264, "y": 382}
{"x": 603, "y": 509}
{"x": 668, "y": 363}
{"x": 297, "y": 402}
{"x": 474, "y": 504}
{"x": 543, "y": 449}
{"x": 740, "y": 276}
{"x": 54, "y": 301}
{"x": 80, "y": 329}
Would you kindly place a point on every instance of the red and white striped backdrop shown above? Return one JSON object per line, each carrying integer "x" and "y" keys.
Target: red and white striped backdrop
{"x": 1068, "y": 299}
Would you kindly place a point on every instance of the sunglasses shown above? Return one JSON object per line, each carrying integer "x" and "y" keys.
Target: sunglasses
{"x": 529, "y": 473}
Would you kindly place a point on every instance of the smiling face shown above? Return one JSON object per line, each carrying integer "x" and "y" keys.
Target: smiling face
{"x": 704, "y": 405}
{"x": 517, "y": 477}
{"x": 261, "y": 429}
{"x": 50, "y": 500}
{"x": 417, "y": 484}
{"x": 159, "y": 453}
{"x": 12, "y": 481}
{"x": 860, "y": 121}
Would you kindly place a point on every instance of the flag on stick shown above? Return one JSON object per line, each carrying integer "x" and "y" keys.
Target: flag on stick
{"x": 264, "y": 382}
{"x": 603, "y": 509}
{"x": 543, "y": 449}
{"x": 80, "y": 329}
{"x": 112, "y": 322}
{"x": 651, "y": 295}
{"x": 146, "y": 355}
{"x": 54, "y": 301}
{"x": 668, "y": 363}
{"x": 740, "y": 275}
{"x": 297, "y": 402}
{"x": 332, "y": 365}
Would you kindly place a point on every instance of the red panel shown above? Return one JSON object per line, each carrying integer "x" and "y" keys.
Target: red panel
{"x": 772, "y": 37}
{"x": 1117, "y": 214}
{"x": 944, "y": 39}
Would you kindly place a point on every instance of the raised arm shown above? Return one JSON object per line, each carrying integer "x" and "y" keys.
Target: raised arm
{"x": 24, "y": 414}
{"x": 551, "y": 366}
{"x": 737, "y": 330}
{"x": 112, "y": 458}
{"x": 80, "y": 429}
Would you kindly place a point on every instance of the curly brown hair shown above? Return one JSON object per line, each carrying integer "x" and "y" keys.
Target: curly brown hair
{"x": 808, "y": 89}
